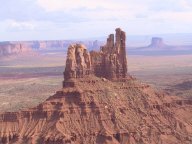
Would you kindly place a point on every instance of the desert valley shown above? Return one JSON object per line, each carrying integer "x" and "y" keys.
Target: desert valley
{"x": 103, "y": 99}
{"x": 95, "y": 72}
{"x": 40, "y": 69}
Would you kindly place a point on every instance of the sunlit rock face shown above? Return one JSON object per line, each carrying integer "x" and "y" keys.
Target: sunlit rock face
{"x": 78, "y": 62}
{"x": 114, "y": 62}
{"x": 94, "y": 110}
{"x": 110, "y": 62}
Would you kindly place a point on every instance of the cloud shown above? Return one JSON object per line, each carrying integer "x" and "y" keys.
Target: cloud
{"x": 18, "y": 25}
{"x": 64, "y": 5}
{"x": 19, "y": 10}
{"x": 88, "y": 10}
{"x": 171, "y": 5}
{"x": 72, "y": 18}
{"x": 181, "y": 17}
{"x": 129, "y": 5}
{"x": 117, "y": 9}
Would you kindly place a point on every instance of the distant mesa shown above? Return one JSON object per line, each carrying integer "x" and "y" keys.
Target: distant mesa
{"x": 10, "y": 48}
{"x": 159, "y": 47}
{"x": 157, "y": 42}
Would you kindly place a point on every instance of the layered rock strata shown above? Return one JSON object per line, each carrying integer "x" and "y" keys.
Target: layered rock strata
{"x": 7, "y": 49}
{"x": 78, "y": 63}
{"x": 94, "y": 110}
{"x": 110, "y": 62}
{"x": 100, "y": 111}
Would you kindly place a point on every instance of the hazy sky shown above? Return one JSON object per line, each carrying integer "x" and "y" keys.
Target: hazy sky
{"x": 70, "y": 19}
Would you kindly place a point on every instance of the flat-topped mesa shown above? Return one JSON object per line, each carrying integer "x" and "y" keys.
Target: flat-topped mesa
{"x": 157, "y": 42}
{"x": 110, "y": 62}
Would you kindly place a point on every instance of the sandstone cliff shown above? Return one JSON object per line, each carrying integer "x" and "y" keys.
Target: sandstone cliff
{"x": 7, "y": 48}
{"x": 101, "y": 110}
{"x": 78, "y": 63}
{"x": 110, "y": 62}
{"x": 19, "y": 47}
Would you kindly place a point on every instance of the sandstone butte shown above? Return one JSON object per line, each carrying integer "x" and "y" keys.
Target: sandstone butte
{"x": 100, "y": 103}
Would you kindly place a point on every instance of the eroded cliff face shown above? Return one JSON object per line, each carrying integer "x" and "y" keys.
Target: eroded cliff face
{"x": 7, "y": 49}
{"x": 110, "y": 62}
{"x": 18, "y": 47}
{"x": 78, "y": 63}
{"x": 96, "y": 110}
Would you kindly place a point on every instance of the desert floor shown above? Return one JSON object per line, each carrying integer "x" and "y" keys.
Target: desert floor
{"x": 26, "y": 81}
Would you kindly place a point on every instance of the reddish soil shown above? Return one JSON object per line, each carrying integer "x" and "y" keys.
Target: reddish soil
{"x": 96, "y": 110}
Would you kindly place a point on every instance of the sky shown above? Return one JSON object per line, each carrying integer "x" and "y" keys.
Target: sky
{"x": 81, "y": 19}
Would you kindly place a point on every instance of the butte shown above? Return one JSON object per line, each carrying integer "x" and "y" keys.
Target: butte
{"x": 100, "y": 103}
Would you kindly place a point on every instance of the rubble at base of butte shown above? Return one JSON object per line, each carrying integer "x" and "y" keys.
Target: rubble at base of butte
{"x": 101, "y": 104}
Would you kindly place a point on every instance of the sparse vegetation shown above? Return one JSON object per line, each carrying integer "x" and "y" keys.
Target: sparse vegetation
{"x": 29, "y": 83}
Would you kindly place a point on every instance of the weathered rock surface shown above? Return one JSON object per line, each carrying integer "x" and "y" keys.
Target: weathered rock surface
{"x": 101, "y": 111}
{"x": 10, "y": 49}
{"x": 110, "y": 62}
{"x": 93, "y": 110}
{"x": 19, "y": 47}
{"x": 78, "y": 63}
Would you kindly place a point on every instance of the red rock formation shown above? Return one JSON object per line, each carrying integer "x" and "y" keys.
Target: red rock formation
{"x": 78, "y": 62}
{"x": 7, "y": 49}
{"x": 13, "y": 47}
{"x": 101, "y": 111}
{"x": 109, "y": 63}
{"x": 91, "y": 110}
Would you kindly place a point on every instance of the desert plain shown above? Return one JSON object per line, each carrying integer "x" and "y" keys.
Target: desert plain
{"x": 27, "y": 80}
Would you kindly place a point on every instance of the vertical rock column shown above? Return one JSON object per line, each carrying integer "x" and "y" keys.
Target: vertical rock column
{"x": 114, "y": 55}
{"x": 121, "y": 52}
{"x": 110, "y": 62}
{"x": 78, "y": 63}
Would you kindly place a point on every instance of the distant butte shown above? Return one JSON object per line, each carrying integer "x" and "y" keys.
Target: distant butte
{"x": 101, "y": 104}
{"x": 157, "y": 42}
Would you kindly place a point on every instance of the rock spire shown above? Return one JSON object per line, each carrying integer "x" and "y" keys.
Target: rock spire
{"x": 110, "y": 62}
